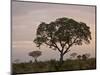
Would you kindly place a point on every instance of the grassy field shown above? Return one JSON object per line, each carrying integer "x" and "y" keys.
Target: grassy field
{"x": 52, "y": 66}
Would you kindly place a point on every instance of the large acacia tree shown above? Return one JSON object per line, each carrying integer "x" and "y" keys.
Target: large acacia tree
{"x": 62, "y": 34}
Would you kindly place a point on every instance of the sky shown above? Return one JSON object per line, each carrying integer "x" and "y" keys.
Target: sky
{"x": 26, "y": 16}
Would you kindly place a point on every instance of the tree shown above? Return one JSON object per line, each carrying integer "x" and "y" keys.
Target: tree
{"x": 73, "y": 55}
{"x": 79, "y": 57}
{"x": 85, "y": 56}
{"x": 62, "y": 34}
{"x": 35, "y": 54}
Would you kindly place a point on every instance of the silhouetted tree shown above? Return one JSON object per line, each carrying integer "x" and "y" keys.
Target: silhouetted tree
{"x": 79, "y": 57}
{"x": 85, "y": 56}
{"x": 73, "y": 55}
{"x": 35, "y": 54}
{"x": 62, "y": 34}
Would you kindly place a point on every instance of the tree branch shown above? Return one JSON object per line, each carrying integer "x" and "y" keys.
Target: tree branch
{"x": 57, "y": 47}
{"x": 67, "y": 50}
{"x": 62, "y": 45}
{"x": 54, "y": 45}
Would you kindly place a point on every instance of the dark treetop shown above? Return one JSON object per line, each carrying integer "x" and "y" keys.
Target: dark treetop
{"x": 62, "y": 34}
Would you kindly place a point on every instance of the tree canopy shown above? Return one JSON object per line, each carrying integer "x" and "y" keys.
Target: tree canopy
{"x": 35, "y": 54}
{"x": 62, "y": 33}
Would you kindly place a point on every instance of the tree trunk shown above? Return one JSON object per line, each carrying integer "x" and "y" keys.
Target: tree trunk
{"x": 61, "y": 59}
{"x": 35, "y": 60}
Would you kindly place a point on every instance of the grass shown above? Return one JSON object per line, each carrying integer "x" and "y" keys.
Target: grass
{"x": 53, "y": 66}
